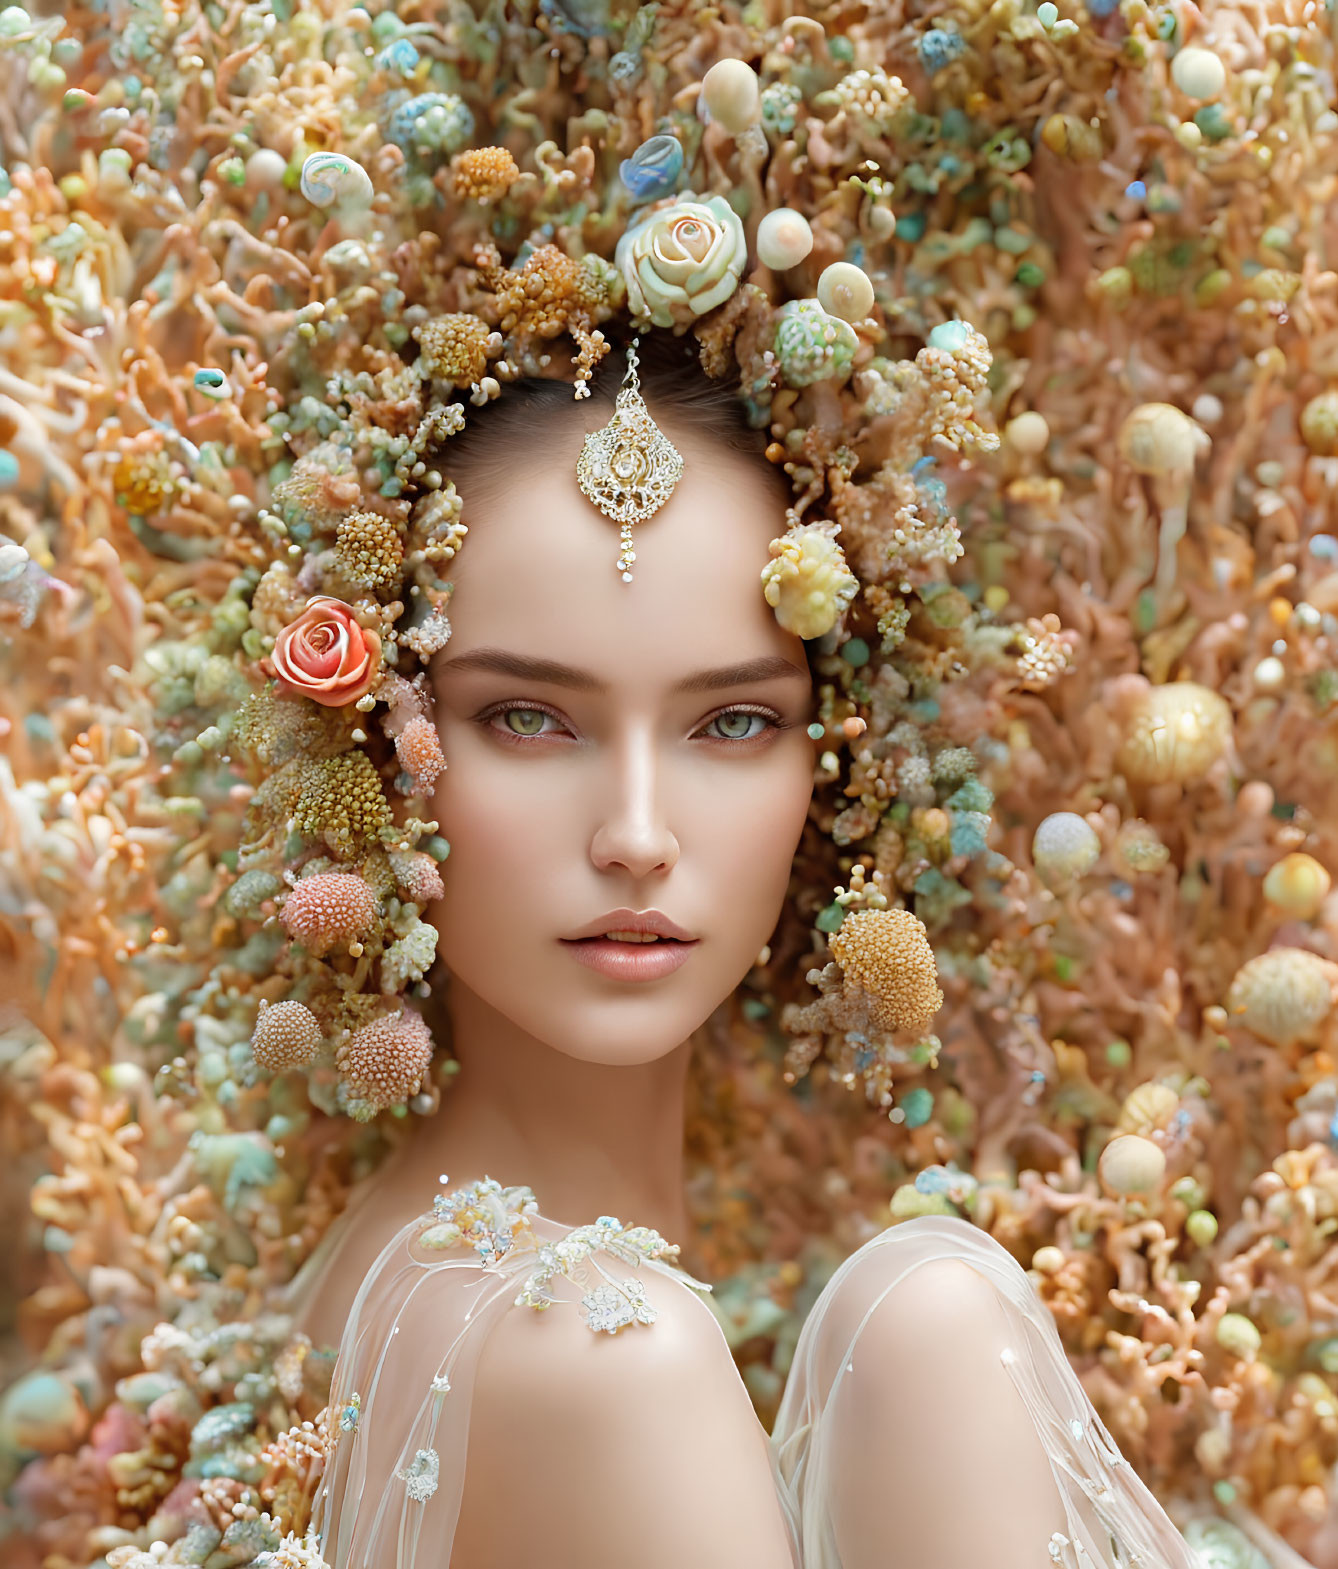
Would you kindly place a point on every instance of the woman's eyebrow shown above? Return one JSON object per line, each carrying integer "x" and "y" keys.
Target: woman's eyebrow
{"x": 770, "y": 667}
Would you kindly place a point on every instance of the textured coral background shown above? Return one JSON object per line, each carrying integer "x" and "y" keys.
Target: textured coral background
{"x": 1099, "y": 575}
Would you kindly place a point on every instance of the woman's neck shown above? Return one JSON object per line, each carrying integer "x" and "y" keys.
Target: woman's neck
{"x": 591, "y": 1139}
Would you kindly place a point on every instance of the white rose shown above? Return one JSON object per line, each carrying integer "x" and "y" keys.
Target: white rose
{"x": 682, "y": 258}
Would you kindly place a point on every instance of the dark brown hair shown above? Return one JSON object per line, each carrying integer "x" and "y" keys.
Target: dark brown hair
{"x": 680, "y": 394}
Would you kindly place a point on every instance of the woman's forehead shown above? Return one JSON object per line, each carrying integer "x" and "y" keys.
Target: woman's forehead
{"x": 540, "y": 563}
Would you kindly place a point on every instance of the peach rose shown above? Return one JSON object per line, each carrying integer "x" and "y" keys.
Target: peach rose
{"x": 325, "y": 655}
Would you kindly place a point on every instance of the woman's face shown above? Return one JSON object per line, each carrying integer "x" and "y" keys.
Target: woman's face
{"x": 568, "y": 797}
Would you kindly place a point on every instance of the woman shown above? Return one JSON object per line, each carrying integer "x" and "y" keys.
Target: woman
{"x": 638, "y": 757}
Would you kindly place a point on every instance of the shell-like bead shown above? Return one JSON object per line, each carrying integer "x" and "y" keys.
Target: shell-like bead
{"x": 845, "y": 291}
{"x": 1131, "y": 1164}
{"x": 1159, "y": 439}
{"x": 330, "y": 179}
{"x": 654, "y": 168}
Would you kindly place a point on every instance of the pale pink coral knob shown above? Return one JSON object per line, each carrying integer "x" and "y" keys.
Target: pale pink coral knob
{"x": 384, "y": 1062}
{"x": 330, "y": 908}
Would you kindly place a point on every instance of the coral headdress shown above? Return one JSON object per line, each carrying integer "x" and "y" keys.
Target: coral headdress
{"x": 348, "y": 588}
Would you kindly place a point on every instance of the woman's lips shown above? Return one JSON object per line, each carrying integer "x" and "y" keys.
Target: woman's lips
{"x": 631, "y": 961}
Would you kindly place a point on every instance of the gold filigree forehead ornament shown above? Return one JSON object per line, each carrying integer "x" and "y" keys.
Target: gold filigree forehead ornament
{"x": 630, "y": 467}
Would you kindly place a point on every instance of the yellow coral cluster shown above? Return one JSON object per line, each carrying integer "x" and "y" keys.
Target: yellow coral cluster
{"x": 455, "y": 348}
{"x": 956, "y": 377}
{"x": 874, "y": 97}
{"x": 143, "y": 477}
{"x": 886, "y": 954}
{"x": 276, "y": 729}
{"x": 482, "y": 174}
{"x": 340, "y": 800}
{"x": 369, "y": 549}
{"x": 546, "y": 292}
{"x": 1047, "y": 652}
{"x": 807, "y": 582}
{"x": 550, "y": 294}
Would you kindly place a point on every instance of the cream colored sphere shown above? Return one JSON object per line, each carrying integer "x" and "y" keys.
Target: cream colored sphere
{"x": 1028, "y": 434}
{"x": 1132, "y": 1166}
{"x": 1198, "y": 73}
{"x": 1269, "y": 675}
{"x": 783, "y": 239}
{"x": 1298, "y": 885}
{"x": 845, "y": 291}
{"x": 733, "y": 96}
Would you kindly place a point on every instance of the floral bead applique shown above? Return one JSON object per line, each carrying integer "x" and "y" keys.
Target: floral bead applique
{"x": 485, "y": 1216}
{"x": 609, "y": 1308}
{"x": 570, "y": 1256}
{"x": 498, "y": 1224}
{"x": 421, "y": 1475}
{"x": 497, "y": 1221}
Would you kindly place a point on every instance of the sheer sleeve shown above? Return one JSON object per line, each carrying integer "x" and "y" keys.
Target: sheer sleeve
{"x": 398, "y": 1417}
{"x": 948, "y": 1423}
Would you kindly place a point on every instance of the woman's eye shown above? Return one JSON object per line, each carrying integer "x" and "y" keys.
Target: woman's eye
{"x": 522, "y": 721}
{"x": 734, "y": 724}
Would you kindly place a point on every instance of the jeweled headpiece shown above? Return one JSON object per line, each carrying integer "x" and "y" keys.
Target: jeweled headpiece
{"x": 630, "y": 467}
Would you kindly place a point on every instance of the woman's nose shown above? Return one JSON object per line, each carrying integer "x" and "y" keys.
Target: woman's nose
{"x": 634, "y": 831}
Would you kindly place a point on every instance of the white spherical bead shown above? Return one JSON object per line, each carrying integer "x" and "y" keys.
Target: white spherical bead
{"x": 783, "y": 239}
{"x": 1028, "y": 434}
{"x": 845, "y": 291}
{"x": 1270, "y": 675}
{"x": 1198, "y": 73}
{"x": 733, "y": 96}
{"x": 265, "y": 168}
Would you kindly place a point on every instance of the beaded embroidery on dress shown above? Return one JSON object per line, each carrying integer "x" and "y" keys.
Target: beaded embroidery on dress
{"x": 445, "y": 1280}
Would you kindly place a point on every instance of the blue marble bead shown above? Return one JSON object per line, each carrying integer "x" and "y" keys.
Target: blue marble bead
{"x": 654, "y": 168}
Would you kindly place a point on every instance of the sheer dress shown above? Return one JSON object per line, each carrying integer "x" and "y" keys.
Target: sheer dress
{"x": 390, "y": 1496}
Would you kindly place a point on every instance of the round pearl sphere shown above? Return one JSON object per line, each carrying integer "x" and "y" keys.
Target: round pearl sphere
{"x": 845, "y": 291}
{"x": 1239, "y": 1335}
{"x": 733, "y": 96}
{"x": 1131, "y": 1164}
{"x": 265, "y": 168}
{"x": 783, "y": 239}
{"x": 1207, "y": 409}
{"x": 1028, "y": 434}
{"x": 1270, "y": 675}
{"x": 1198, "y": 73}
